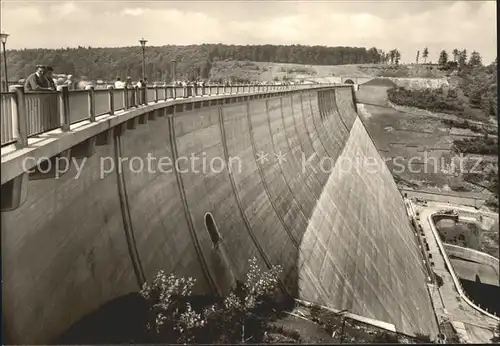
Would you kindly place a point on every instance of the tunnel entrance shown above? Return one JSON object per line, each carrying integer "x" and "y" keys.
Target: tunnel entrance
{"x": 212, "y": 229}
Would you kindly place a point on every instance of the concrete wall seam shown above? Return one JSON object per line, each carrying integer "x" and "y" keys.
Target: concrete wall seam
{"x": 316, "y": 178}
{"x": 302, "y": 116}
{"x": 279, "y": 163}
{"x": 262, "y": 253}
{"x": 264, "y": 183}
{"x": 294, "y": 161}
{"x": 182, "y": 192}
{"x": 127, "y": 219}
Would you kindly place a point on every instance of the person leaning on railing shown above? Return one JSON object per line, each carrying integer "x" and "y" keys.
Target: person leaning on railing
{"x": 50, "y": 78}
{"x": 37, "y": 81}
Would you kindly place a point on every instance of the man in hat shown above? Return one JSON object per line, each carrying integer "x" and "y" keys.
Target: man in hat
{"x": 128, "y": 82}
{"x": 37, "y": 81}
{"x": 49, "y": 70}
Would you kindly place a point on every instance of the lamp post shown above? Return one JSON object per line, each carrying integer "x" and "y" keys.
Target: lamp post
{"x": 173, "y": 71}
{"x": 4, "y": 36}
{"x": 143, "y": 42}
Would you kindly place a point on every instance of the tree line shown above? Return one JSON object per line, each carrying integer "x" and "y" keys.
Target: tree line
{"x": 477, "y": 83}
{"x": 459, "y": 58}
{"x": 192, "y": 61}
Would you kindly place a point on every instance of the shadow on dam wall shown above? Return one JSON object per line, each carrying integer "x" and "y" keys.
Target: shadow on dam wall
{"x": 341, "y": 235}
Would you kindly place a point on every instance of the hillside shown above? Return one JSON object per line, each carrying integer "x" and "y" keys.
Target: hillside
{"x": 438, "y": 126}
{"x": 471, "y": 95}
{"x": 192, "y": 61}
{"x": 266, "y": 71}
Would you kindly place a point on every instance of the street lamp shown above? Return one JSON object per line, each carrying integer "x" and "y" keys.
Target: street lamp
{"x": 143, "y": 42}
{"x": 173, "y": 71}
{"x": 4, "y": 36}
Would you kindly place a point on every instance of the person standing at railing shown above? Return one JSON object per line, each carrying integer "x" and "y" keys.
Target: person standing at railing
{"x": 119, "y": 84}
{"x": 128, "y": 82}
{"x": 37, "y": 81}
{"x": 140, "y": 84}
{"x": 49, "y": 70}
{"x": 69, "y": 82}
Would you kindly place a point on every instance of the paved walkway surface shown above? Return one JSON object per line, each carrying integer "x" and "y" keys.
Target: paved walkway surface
{"x": 472, "y": 326}
{"x": 444, "y": 198}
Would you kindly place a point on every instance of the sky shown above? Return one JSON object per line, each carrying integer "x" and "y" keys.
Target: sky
{"x": 408, "y": 26}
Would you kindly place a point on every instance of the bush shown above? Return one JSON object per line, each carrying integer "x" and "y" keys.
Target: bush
{"x": 481, "y": 146}
{"x": 479, "y": 84}
{"x": 277, "y": 334}
{"x": 423, "y": 337}
{"x": 297, "y": 70}
{"x": 466, "y": 125}
{"x": 439, "y": 280}
{"x": 386, "y": 338}
{"x": 492, "y": 203}
{"x": 242, "y": 316}
{"x": 435, "y": 100}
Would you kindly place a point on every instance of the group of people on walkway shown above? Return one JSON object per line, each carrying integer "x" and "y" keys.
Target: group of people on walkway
{"x": 43, "y": 80}
{"x": 119, "y": 84}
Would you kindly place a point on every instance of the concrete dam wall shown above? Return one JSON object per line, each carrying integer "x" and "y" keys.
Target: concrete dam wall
{"x": 340, "y": 233}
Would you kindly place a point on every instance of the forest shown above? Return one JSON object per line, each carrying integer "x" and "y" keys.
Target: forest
{"x": 192, "y": 61}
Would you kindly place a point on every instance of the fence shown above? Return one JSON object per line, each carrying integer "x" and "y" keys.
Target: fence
{"x": 456, "y": 281}
{"x": 46, "y": 111}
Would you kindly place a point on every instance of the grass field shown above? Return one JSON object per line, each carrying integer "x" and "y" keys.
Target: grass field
{"x": 267, "y": 71}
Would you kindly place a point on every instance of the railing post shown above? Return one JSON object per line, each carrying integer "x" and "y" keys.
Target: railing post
{"x": 137, "y": 97}
{"x": 64, "y": 116}
{"x": 91, "y": 95}
{"x": 21, "y": 127}
{"x": 125, "y": 97}
{"x": 166, "y": 92}
{"x": 156, "y": 93}
{"x": 111, "y": 99}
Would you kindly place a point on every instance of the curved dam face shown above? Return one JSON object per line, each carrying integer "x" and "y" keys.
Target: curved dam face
{"x": 293, "y": 180}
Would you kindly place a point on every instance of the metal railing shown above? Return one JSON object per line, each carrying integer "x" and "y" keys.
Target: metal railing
{"x": 46, "y": 111}
{"x": 451, "y": 270}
